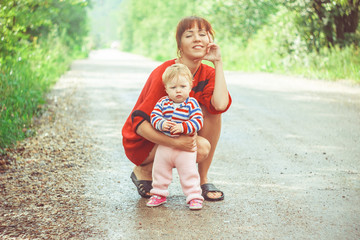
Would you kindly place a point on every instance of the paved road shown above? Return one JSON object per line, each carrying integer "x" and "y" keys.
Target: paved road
{"x": 288, "y": 159}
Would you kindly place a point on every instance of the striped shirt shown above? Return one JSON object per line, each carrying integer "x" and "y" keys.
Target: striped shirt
{"x": 189, "y": 114}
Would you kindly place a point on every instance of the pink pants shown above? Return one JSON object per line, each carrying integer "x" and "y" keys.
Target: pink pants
{"x": 185, "y": 162}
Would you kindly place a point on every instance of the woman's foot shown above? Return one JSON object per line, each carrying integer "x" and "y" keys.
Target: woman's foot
{"x": 195, "y": 204}
{"x": 214, "y": 195}
{"x": 156, "y": 200}
{"x": 211, "y": 193}
{"x": 143, "y": 186}
{"x": 141, "y": 177}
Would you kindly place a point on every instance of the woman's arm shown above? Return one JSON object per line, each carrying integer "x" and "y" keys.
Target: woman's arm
{"x": 183, "y": 142}
{"x": 220, "y": 98}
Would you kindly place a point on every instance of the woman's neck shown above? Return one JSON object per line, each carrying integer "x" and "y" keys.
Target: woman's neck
{"x": 192, "y": 65}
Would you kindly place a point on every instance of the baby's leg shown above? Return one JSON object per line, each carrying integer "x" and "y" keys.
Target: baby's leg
{"x": 185, "y": 163}
{"x": 162, "y": 171}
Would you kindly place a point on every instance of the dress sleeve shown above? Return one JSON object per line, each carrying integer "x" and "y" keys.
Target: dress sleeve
{"x": 204, "y": 89}
{"x": 151, "y": 93}
{"x": 136, "y": 147}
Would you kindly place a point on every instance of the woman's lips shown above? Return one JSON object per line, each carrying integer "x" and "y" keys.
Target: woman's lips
{"x": 198, "y": 47}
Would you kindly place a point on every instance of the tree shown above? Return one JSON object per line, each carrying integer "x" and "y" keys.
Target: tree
{"x": 346, "y": 22}
{"x": 27, "y": 21}
{"x": 240, "y": 18}
{"x": 37, "y": 41}
{"x": 327, "y": 22}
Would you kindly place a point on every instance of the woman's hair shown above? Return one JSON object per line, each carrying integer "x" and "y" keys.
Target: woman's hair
{"x": 176, "y": 70}
{"x": 189, "y": 22}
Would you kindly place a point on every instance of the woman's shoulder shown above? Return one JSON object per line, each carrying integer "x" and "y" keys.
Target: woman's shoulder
{"x": 207, "y": 69}
{"x": 159, "y": 70}
{"x": 164, "y": 65}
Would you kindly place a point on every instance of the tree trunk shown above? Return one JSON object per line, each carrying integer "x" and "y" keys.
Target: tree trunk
{"x": 326, "y": 24}
{"x": 347, "y": 23}
{"x": 352, "y": 20}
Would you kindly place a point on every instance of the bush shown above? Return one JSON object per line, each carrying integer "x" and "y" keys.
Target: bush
{"x": 24, "y": 82}
{"x": 269, "y": 36}
{"x": 39, "y": 39}
{"x": 278, "y": 47}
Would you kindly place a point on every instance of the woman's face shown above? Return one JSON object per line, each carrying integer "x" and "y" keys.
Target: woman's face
{"x": 194, "y": 42}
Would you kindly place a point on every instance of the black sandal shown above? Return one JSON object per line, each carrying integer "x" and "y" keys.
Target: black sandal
{"x": 209, "y": 187}
{"x": 143, "y": 186}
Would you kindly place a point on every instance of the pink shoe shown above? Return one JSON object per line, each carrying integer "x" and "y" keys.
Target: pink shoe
{"x": 156, "y": 200}
{"x": 195, "y": 204}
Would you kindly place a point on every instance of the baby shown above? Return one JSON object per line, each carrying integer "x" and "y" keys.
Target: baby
{"x": 176, "y": 114}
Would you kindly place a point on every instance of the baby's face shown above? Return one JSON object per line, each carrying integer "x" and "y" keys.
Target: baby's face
{"x": 178, "y": 89}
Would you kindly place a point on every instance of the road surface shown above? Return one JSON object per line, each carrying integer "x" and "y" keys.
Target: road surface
{"x": 288, "y": 159}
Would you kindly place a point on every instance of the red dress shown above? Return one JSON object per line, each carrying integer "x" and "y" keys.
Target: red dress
{"x": 138, "y": 148}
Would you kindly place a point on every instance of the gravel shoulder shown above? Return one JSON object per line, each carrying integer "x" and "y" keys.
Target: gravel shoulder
{"x": 42, "y": 191}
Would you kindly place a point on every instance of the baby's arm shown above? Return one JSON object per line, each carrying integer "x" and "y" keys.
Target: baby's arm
{"x": 196, "y": 120}
{"x": 159, "y": 122}
{"x": 190, "y": 126}
{"x": 157, "y": 119}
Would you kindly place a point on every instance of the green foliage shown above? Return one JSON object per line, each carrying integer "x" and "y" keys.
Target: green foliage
{"x": 148, "y": 27}
{"x": 279, "y": 47}
{"x": 326, "y": 23}
{"x": 239, "y": 18}
{"x": 151, "y": 34}
{"x": 302, "y": 37}
{"x": 334, "y": 63}
{"x": 37, "y": 41}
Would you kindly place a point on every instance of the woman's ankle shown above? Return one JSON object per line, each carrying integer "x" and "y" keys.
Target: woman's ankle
{"x": 143, "y": 172}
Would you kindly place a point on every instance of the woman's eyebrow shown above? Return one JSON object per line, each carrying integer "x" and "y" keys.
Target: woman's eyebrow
{"x": 192, "y": 31}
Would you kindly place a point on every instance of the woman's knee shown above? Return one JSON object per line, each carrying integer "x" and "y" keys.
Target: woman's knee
{"x": 203, "y": 148}
{"x": 212, "y": 125}
{"x": 212, "y": 118}
{"x": 150, "y": 158}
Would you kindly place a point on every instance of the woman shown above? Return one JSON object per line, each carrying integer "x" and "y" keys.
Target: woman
{"x": 194, "y": 36}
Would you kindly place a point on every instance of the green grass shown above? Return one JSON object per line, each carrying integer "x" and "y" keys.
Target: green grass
{"x": 24, "y": 81}
{"x": 330, "y": 64}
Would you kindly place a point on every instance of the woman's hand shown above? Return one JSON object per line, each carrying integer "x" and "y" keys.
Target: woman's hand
{"x": 213, "y": 53}
{"x": 186, "y": 143}
{"x": 183, "y": 142}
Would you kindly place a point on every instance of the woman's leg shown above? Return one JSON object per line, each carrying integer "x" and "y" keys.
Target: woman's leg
{"x": 211, "y": 131}
{"x": 144, "y": 171}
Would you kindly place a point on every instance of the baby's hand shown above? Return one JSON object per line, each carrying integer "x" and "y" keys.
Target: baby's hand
{"x": 167, "y": 125}
{"x": 176, "y": 129}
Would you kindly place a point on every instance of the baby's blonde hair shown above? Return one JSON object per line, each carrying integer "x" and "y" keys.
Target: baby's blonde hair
{"x": 176, "y": 70}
